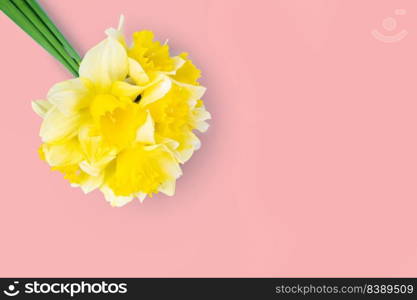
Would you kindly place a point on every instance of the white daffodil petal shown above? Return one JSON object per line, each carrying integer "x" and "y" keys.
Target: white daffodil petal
{"x": 193, "y": 143}
{"x": 56, "y": 126}
{"x": 141, "y": 196}
{"x": 96, "y": 154}
{"x": 105, "y": 63}
{"x": 196, "y": 92}
{"x": 184, "y": 155}
{"x": 173, "y": 169}
{"x": 202, "y": 126}
{"x": 201, "y": 114}
{"x": 41, "y": 107}
{"x": 92, "y": 183}
{"x": 89, "y": 143}
{"x": 168, "y": 188}
{"x": 71, "y": 95}
{"x": 156, "y": 91}
{"x": 121, "y": 22}
{"x": 178, "y": 63}
{"x": 115, "y": 201}
{"x": 117, "y": 34}
{"x": 94, "y": 168}
{"x": 67, "y": 153}
{"x": 124, "y": 89}
{"x": 90, "y": 169}
{"x": 169, "y": 165}
{"x": 170, "y": 143}
{"x": 137, "y": 73}
{"x": 146, "y": 133}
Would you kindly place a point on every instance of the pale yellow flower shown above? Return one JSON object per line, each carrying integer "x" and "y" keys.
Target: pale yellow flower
{"x": 127, "y": 122}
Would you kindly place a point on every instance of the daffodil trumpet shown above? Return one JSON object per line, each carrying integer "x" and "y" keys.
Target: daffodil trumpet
{"x": 127, "y": 122}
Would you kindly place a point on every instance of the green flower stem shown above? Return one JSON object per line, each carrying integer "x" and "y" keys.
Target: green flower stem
{"x": 28, "y": 12}
{"x": 47, "y": 21}
{"x": 17, "y": 16}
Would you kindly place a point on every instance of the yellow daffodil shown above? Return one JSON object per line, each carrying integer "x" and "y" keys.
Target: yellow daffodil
{"x": 127, "y": 122}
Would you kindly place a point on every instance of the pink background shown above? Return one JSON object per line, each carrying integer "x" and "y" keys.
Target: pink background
{"x": 309, "y": 167}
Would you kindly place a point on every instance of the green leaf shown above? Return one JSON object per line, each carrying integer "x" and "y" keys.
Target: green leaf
{"x": 48, "y": 22}
{"x": 17, "y": 16}
{"x": 44, "y": 30}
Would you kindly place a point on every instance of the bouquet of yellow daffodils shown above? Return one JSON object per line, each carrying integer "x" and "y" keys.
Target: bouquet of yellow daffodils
{"x": 125, "y": 124}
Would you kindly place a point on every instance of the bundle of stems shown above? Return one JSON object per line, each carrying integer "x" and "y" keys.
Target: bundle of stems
{"x": 30, "y": 17}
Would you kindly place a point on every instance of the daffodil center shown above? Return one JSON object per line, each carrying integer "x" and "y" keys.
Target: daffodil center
{"x": 117, "y": 119}
{"x": 102, "y": 104}
{"x": 138, "y": 98}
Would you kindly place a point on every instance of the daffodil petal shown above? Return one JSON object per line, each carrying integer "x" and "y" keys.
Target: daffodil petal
{"x": 92, "y": 183}
{"x": 200, "y": 117}
{"x": 202, "y": 126}
{"x": 71, "y": 95}
{"x": 141, "y": 197}
{"x": 94, "y": 168}
{"x": 89, "y": 143}
{"x": 184, "y": 154}
{"x": 178, "y": 62}
{"x": 195, "y": 141}
{"x": 170, "y": 143}
{"x": 105, "y": 63}
{"x": 156, "y": 91}
{"x": 89, "y": 168}
{"x": 124, "y": 89}
{"x": 117, "y": 34}
{"x": 173, "y": 169}
{"x": 56, "y": 126}
{"x": 188, "y": 72}
{"x": 146, "y": 133}
{"x": 195, "y": 91}
{"x": 41, "y": 107}
{"x": 201, "y": 114}
{"x": 67, "y": 153}
{"x": 170, "y": 166}
{"x": 115, "y": 201}
{"x": 137, "y": 73}
{"x": 97, "y": 156}
{"x": 168, "y": 188}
